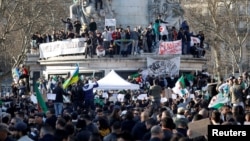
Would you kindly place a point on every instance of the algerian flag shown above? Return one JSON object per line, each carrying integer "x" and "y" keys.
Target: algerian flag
{"x": 163, "y": 29}
{"x": 42, "y": 107}
{"x": 54, "y": 80}
{"x": 180, "y": 86}
{"x": 218, "y": 101}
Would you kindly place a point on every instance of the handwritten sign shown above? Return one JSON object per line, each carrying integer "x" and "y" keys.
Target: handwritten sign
{"x": 120, "y": 97}
{"x": 33, "y": 99}
{"x": 174, "y": 96}
{"x": 164, "y": 99}
{"x": 142, "y": 97}
{"x": 113, "y": 98}
{"x": 51, "y": 96}
{"x": 105, "y": 95}
{"x": 110, "y": 22}
{"x": 173, "y": 47}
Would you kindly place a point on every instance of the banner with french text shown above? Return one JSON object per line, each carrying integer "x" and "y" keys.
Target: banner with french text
{"x": 52, "y": 49}
{"x": 159, "y": 67}
{"x": 173, "y": 47}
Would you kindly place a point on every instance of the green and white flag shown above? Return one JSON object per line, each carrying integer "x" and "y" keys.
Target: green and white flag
{"x": 218, "y": 101}
{"x": 180, "y": 87}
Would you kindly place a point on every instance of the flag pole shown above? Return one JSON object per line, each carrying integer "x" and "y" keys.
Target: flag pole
{"x": 93, "y": 75}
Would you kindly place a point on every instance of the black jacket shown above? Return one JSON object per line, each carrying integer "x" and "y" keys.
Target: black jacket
{"x": 59, "y": 94}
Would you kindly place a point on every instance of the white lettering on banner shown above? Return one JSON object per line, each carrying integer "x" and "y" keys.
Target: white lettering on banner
{"x": 159, "y": 67}
{"x": 57, "y": 48}
{"x": 110, "y": 22}
{"x": 173, "y": 47}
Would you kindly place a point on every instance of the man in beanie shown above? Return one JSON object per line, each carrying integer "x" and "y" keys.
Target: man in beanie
{"x": 21, "y": 130}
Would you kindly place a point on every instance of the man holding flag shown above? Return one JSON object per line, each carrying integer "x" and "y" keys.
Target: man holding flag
{"x": 158, "y": 23}
{"x": 89, "y": 95}
{"x": 180, "y": 87}
{"x": 58, "y": 102}
{"x": 42, "y": 107}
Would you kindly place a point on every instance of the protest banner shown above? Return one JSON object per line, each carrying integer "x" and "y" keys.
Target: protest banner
{"x": 58, "y": 48}
{"x": 159, "y": 67}
{"x": 173, "y": 47}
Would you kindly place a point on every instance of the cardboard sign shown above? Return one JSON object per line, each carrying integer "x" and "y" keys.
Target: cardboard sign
{"x": 168, "y": 93}
{"x": 113, "y": 98}
{"x": 142, "y": 97}
{"x": 33, "y": 99}
{"x": 51, "y": 96}
{"x": 164, "y": 99}
{"x": 174, "y": 96}
{"x": 192, "y": 96}
{"x": 110, "y": 22}
{"x": 199, "y": 128}
{"x": 120, "y": 97}
{"x": 105, "y": 95}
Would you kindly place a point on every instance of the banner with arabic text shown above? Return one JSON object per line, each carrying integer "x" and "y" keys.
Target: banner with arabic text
{"x": 172, "y": 47}
{"x": 158, "y": 67}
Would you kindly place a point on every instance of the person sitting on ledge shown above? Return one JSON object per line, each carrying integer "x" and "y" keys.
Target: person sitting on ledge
{"x": 111, "y": 50}
{"x": 100, "y": 51}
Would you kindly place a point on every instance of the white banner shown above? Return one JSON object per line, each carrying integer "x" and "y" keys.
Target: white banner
{"x": 57, "y": 48}
{"x": 159, "y": 67}
{"x": 110, "y": 22}
{"x": 195, "y": 40}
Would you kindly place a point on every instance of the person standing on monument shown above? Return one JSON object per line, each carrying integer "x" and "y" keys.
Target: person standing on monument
{"x": 89, "y": 47}
{"x": 92, "y": 25}
{"x": 157, "y": 24}
{"x": 96, "y": 4}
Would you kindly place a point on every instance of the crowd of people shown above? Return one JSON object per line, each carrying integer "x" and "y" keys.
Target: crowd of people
{"x": 122, "y": 40}
{"x": 83, "y": 118}
{"x": 131, "y": 119}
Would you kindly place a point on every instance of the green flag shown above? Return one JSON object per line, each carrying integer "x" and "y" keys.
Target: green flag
{"x": 135, "y": 75}
{"x": 218, "y": 101}
{"x": 181, "y": 81}
{"x": 40, "y": 101}
{"x": 73, "y": 78}
{"x": 180, "y": 87}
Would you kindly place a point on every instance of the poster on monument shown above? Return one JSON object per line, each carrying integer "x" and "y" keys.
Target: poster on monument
{"x": 173, "y": 47}
{"x": 194, "y": 40}
{"x": 160, "y": 67}
{"x": 110, "y": 22}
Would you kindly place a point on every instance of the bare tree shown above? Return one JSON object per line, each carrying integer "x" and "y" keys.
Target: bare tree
{"x": 226, "y": 23}
{"x": 19, "y": 20}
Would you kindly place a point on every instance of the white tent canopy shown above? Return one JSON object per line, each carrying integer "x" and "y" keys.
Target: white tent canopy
{"x": 115, "y": 82}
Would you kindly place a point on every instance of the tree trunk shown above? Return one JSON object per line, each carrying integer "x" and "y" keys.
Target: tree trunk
{"x": 217, "y": 58}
